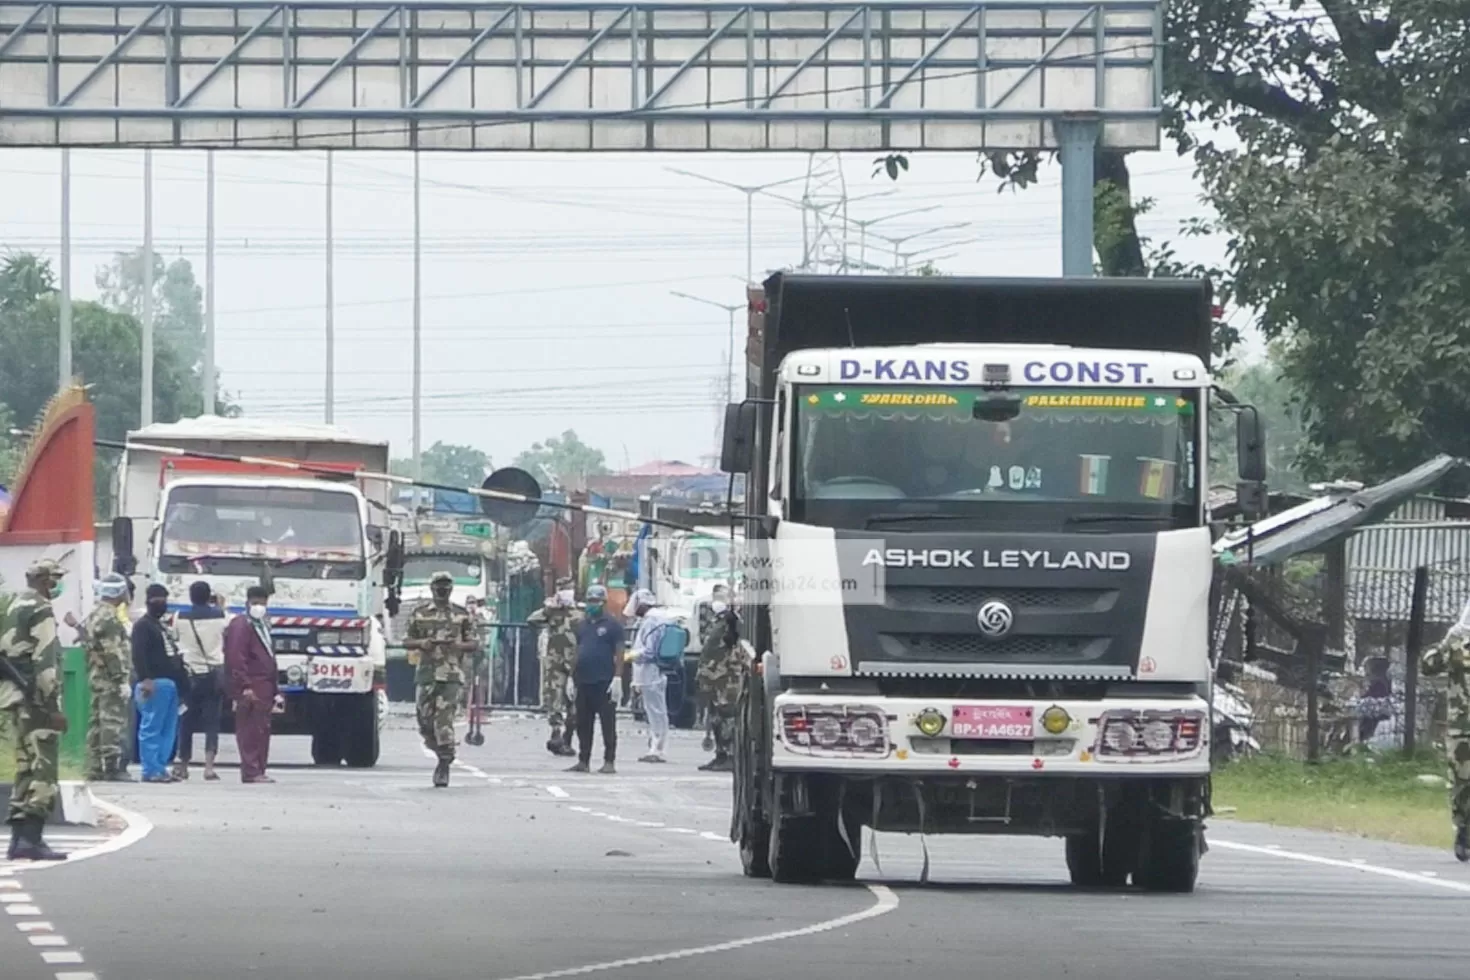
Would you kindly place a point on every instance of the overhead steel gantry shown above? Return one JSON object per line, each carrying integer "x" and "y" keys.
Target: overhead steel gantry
{"x": 565, "y": 76}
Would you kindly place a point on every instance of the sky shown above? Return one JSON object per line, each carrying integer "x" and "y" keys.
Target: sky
{"x": 547, "y": 280}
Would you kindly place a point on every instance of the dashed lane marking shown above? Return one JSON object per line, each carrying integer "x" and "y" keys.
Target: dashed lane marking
{"x": 1275, "y": 850}
{"x": 44, "y": 940}
{"x": 20, "y": 910}
{"x": 34, "y": 926}
{"x": 885, "y": 901}
{"x": 558, "y": 792}
{"x": 54, "y": 957}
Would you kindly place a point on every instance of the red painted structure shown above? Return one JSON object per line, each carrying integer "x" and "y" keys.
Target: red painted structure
{"x": 51, "y": 501}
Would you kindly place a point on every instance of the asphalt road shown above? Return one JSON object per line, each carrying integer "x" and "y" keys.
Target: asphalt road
{"x": 520, "y": 870}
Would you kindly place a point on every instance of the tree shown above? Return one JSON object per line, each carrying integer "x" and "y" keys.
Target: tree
{"x": 450, "y": 465}
{"x": 565, "y": 458}
{"x": 178, "y": 300}
{"x": 1345, "y": 201}
{"x": 106, "y": 355}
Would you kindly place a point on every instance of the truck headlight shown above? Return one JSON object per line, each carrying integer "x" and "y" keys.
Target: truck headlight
{"x": 835, "y": 729}
{"x": 1149, "y": 734}
{"x": 1055, "y": 720}
{"x": 294, "y": 674}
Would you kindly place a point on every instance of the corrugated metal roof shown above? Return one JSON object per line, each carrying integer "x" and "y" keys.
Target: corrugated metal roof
{"x": 1381, "y": 560}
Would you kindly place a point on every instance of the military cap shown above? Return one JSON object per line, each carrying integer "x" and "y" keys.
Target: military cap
{"x": 596, "y": 593}
{"x": 45, "y": 566}
{"x": 441, "y": 577}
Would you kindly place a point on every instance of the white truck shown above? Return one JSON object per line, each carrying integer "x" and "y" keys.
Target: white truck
{"x": 320, "y": 541}
{"x": 463, "y": 548}
{"x": 977, "y": 598}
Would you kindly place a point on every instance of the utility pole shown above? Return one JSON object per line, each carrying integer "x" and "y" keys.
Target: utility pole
{"x": 331, "y": 353}
{"x": 209, "y": 379}
{"x": 750, "y": 191}
{"x": 897, "y": 241}
{"x": 730, "y": 309}
{"x": 418, "y": 457}
{"x": 864, "y": 224}
{"x": 64, "y": 317}
{"x": 146, "y": 413}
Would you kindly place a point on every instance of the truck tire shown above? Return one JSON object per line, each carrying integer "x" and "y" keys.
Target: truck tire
{"x": 326, "y": 739}
{"x": 1168, "y": 859}
{"x": 358, "y": 718}
{"x": 751, "y": 831}
{"x": 795, "y": 853}
{"x": 839, "y": 836}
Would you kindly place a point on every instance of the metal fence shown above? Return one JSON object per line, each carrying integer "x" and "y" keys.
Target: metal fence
{"x": 1363, "y": 680}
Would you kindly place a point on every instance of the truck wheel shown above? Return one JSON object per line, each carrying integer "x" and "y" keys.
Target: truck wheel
{"x": 326, "y": 749}
{"x": 795, "y": 853}
{"x": 358, "y": 721}
{"x": 755, "y": 839}
{"x": 752, "y": 832}
{"x": 326, "y": 729}
{"x": 1168, "y": 860}
{"x": 839, "y": 858}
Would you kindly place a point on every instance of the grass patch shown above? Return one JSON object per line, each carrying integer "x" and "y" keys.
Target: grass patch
{"x": 1368, "y": 795}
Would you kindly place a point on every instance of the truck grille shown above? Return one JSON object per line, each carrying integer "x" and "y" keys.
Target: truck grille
{"x": 960, "y": 647}
{"x": 948, "y": 597}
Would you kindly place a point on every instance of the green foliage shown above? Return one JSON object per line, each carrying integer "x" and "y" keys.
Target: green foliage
{"x": 11, "y": 448}
{"x": 450, "y": 465}
{"x": 106, "y": 356}
{"x": 567, "y": 460}
{"x": 1368, "y": 794}
{"x": 178, "y": 300}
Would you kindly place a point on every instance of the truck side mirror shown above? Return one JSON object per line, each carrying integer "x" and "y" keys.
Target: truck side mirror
{"x": 375, "y": 536}
{"x": 737, "y": 451}
{"x": 1250, "y": 444}
{"x": 124, "y": 562}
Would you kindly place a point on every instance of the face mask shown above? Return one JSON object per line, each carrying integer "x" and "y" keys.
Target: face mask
{"x": 594, "y": 608}
{"x": 157, "y": 607}
{"x": 55, "y": 590}
{"x": 718, "y": 606}
{"x": 257, "y": 612}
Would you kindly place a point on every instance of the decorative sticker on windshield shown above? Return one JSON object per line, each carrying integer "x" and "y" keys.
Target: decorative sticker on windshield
{"x": 1156, "y": 478}
{"x": 856, "y": 399}
{"x": 1094, "y": 475}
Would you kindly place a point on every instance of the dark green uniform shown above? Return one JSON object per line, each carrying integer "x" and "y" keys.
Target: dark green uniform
{"x": 721, "y": 676}
{"x": 440, "y": 676}
{"x": 1451, "y": 657}
{"x": 28, "y": 642}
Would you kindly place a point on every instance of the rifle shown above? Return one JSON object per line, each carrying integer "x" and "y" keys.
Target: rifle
{"x": 9, "y": 672}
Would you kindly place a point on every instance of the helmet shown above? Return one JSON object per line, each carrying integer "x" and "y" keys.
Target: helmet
{"x": 45, "y": 567}
{"x": 596, "y": 593}
{"x": 113, "y": 586}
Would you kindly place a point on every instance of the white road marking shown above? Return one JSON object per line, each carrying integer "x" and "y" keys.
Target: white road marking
{"x": 707, "y": 835}
{"x": 558, "y": 792}
{"x": 885, "y": 901}
{"x": 19, "y": 910}
{"x": 9, "y": 884}
{"x": 680, "y": 830}
{"x": 20, "y": 897}
{"x": 137, "y": 827}
{"x": 48, "y": 941}
{"x": 76, "y": 976}
{"x": 34, "y": 926}
{"x": 1274, "y": 850}
{"x": 646, "y": 823}
{"x": 63, "y": 956}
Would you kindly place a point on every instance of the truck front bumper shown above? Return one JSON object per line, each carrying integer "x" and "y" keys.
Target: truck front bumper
{"x": 1132, "y": 738}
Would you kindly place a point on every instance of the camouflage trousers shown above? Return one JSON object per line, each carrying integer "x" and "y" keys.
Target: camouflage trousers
{"x": 1457, "y": 754}
{"x": 109, "y": 719}
{"x": 722, "y": 725}
{"x": 560, "y": 709}
{"x": 33, "y": 795}
{"x": 437, "y": 704}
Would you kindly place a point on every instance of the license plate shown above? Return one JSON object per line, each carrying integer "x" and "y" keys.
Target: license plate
{"x": 992, "y": 721}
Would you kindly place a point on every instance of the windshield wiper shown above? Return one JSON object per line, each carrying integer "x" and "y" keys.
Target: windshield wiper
{"x": 909, "y": 518}
{"x": 1107, "y": 518}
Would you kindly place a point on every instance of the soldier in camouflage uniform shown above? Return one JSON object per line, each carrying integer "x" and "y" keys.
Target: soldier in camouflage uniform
{"x": 558, "y": 643}
{"x": 1452, "y": 657}
{"x": 721, "y": 676}
{"x": 30, "y": 691}
{"x": 109, "y": 665}
{"x": 444, "y": 637}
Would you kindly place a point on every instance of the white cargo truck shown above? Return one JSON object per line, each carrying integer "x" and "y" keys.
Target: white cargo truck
{"x": 980, "y": 561}
{"x": 319, "y": 539}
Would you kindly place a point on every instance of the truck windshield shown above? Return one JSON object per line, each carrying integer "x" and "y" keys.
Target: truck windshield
{"x": 418, "y": 569}
{"x": 1083, "y": 459}
{"x": 702, "y": 557}
{"x": 232, "y": 530}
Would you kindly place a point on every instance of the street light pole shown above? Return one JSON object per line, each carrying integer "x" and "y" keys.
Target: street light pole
{"x": 64, "y": 367}
{"x": 146, "y": 395}
{"x": 209, "y": 372}
{"x": 729, "y": 308}
{"x": 750, "y": 191}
